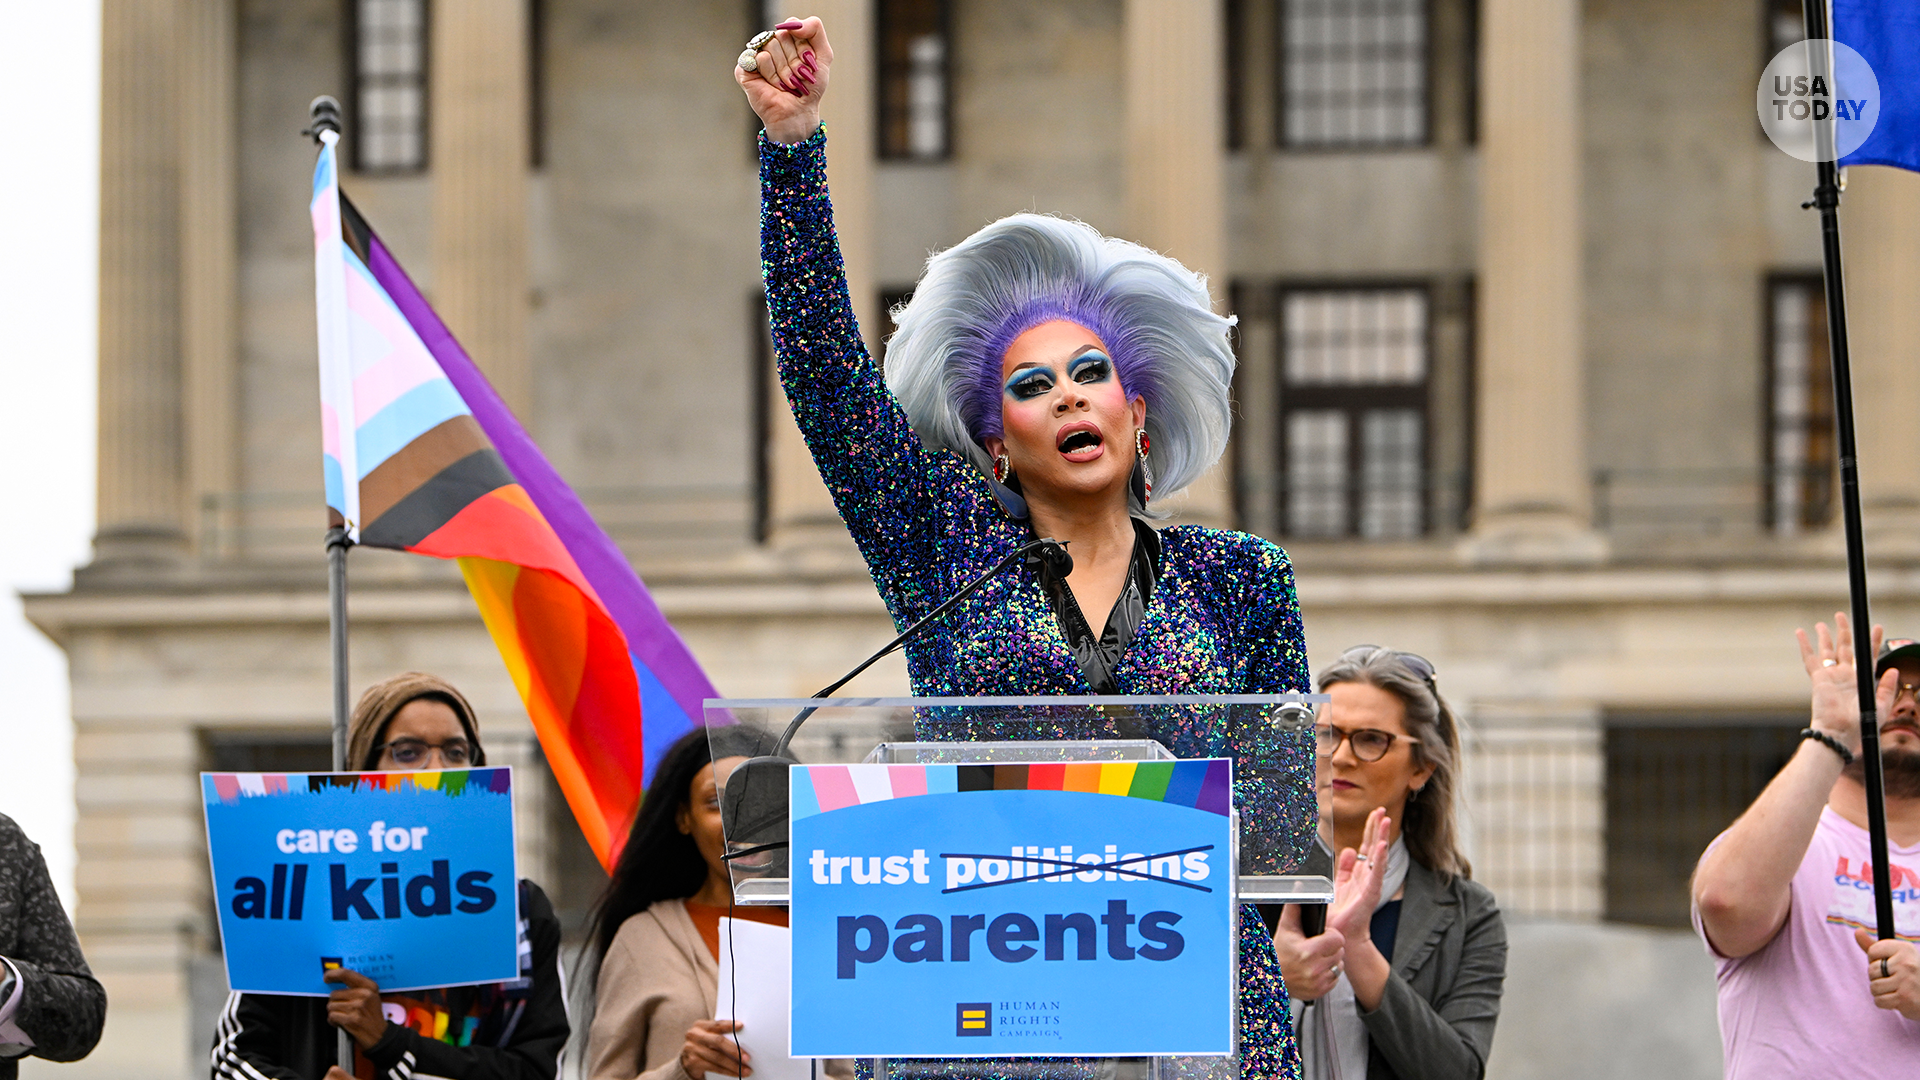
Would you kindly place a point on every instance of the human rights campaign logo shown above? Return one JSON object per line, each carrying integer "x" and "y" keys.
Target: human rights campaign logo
{"x": 973, "y": 1018}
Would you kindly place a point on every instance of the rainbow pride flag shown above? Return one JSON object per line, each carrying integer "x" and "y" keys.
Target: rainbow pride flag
{"x": 421, "y": 455}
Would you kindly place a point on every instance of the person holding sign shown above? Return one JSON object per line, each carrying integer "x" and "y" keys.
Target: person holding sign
{"x": 502, "y": 1031}
{"x": 1404, "y": 983}
{"x": 1044, "y": 381}
{"x": 656, "y": 929}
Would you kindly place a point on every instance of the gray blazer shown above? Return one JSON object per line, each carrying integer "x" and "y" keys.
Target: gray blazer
{"x": 1435, "y": 1021}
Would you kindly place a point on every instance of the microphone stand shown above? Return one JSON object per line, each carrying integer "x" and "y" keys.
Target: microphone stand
{"x": 754, "y": 803}
{"x": 1053, "y": 553}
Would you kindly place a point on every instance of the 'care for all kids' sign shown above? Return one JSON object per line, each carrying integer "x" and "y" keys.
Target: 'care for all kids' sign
{"x": 405, "y": 877}
{"x": 988, "y": 910}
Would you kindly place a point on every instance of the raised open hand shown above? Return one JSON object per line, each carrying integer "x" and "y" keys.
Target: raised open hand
{"x": 1356, "y": 881}
{"x": 1836, "y": 695}
{"x": 788, "y": 78}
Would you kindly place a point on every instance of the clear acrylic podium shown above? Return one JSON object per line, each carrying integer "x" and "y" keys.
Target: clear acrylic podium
{"x": 1268, "y": 737}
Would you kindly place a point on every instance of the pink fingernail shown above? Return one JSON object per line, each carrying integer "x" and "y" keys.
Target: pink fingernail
{"x": 790, "y": 24}
{"x": 809, "y": 56}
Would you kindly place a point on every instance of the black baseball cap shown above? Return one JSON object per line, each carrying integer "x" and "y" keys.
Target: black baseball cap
{"x": 1894, "y": 650}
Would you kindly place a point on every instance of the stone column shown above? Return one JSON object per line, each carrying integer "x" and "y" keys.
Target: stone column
{"x": 801, "y": 509}
{"x": 207, "y": 257}
{"x": 477, "y": 156}
{"x": 1175, "y": 142}
{"x": 1531, "y": 490}
{"x": 140, "y": 502}
{"x": 1880, "y": 227}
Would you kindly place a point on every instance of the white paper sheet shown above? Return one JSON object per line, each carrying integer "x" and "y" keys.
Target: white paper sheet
{"x": 755, "y": 985}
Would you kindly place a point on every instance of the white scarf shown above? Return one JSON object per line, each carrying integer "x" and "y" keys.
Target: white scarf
{"x": 1337, "y": 1015}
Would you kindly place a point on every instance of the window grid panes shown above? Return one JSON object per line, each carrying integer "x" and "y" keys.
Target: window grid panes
{"x": 1392, "y": 446}
{"x": 1353, "y": 394}
{"x": 915, "y": 111}
{"x": 1353, "y": 72}
{"x": 1317, "y": 472}
{"x": 388, "y": 130}
{"x": 1800, "y": 423}
{"x": 1347, "y": 338}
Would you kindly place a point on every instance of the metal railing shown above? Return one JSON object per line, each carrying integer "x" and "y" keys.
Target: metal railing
{"x": 1629, "y": 504}
{"x": 1267, "y": 504}
{"x": 644, "y": 520}
{"x": 1709, "y": 502}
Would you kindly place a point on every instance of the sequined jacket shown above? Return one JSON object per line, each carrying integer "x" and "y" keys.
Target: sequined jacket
{"x": 1222, "y": 619}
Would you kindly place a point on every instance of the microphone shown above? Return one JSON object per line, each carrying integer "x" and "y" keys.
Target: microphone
{"x": 754, "y": 805}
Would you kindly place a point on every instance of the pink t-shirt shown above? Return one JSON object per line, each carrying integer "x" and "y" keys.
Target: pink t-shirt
{"x": 1800, "y": 1006}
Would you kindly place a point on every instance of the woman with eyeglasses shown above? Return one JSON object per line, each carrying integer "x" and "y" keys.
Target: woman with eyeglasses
{"x": 493, "y": 1032}
{"x": 1404, "y": 981}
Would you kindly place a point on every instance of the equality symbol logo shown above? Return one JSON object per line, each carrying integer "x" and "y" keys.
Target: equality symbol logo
{"x": 972, "y": 1018}
{"x": 329, "y": 963}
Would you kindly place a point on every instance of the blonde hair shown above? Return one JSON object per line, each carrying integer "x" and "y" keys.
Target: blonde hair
{"x": 1433, "y": 837}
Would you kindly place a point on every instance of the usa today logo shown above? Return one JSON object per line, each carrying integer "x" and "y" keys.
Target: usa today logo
{"x": 1798, "y": 96}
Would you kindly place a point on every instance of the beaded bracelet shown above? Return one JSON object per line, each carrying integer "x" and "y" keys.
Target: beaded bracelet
{"x": 1831, "y": 743}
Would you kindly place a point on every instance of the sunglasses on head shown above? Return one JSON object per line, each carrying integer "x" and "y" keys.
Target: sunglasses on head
{"x": 1421, "y": 667}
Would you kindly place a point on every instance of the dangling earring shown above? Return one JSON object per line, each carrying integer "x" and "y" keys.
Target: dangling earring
{"x": 1002, "y": 468}
{"x": 1141, "y": 446}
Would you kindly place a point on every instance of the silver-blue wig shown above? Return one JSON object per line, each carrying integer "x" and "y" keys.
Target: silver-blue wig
{"x": 1168, "y": 345}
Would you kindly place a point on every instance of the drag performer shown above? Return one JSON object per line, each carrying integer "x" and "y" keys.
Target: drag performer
{"x": 1044, "y": 381}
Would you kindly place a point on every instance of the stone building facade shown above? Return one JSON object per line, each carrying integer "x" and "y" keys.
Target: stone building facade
{"x": 1529, "y": 386}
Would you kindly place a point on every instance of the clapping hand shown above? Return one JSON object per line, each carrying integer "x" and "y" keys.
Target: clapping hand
{"x": 1309, "y": 965}
{"x": 1356, "y": 881}
{"x": 1836, "y": 694}
{"x": 788, "y": 79}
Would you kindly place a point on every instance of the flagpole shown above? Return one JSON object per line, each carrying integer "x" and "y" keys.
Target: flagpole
{"x": 1826, "y": 198}
{"x": 323, "y": 114}
{"x": 337, "y": 544}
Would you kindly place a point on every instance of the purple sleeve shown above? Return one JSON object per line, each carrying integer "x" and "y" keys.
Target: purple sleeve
{"x": 883, "y": 481}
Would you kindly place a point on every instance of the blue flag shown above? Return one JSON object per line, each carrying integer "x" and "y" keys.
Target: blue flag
{"x": 1887, "y": 34}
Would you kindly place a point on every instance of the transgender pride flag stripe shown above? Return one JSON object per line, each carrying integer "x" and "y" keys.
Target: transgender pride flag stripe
{"x": 1204, "y": 784}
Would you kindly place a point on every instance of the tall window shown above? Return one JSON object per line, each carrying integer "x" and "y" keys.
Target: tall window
{"x": 1672, "y": 784}
{"x": 387, "y": 57}
{"x": 916, "y": 116}
{"x": 1353, "y": 412}
{"x": 1801, "y": 452}
{"x": 1353, "y": 72}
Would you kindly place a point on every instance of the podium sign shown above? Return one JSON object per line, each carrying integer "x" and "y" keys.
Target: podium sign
{"x": 405, "y": 877}
{"x": 1062, "y": 908}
